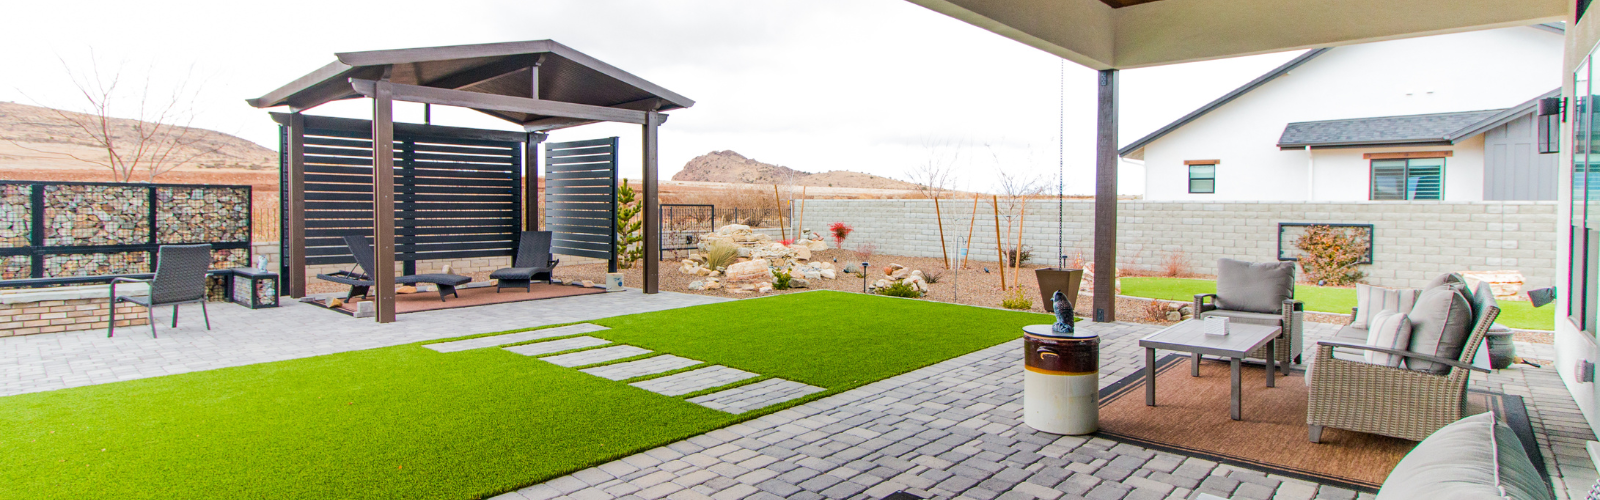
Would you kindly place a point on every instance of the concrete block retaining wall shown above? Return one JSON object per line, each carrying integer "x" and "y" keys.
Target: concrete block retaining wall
{"x": 50, "y": 310}
{"x": 1414, "y": 241}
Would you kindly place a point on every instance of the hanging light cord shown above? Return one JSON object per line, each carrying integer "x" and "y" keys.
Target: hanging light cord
{"x": 1061, "y": 166}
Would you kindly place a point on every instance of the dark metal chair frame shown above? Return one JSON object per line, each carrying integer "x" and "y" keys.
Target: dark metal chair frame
{"x": 360, "y": 283}
{"x": 533, "y": 263}
{"x": 180, "y": 279}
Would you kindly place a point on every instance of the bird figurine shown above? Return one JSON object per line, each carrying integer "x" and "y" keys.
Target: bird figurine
{"x": 1065, "y": 318}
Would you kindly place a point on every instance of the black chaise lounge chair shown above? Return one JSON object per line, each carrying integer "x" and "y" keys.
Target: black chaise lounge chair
{"x": 360, "y": 282}
{"x": 180, "y": 279}
{"x": 533, "y": 263}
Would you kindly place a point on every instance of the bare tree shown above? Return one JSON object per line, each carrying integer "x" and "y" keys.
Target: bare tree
{"x": 154, "y": 134}
{"x": 937, "y": 172}
{"x": 1016, "y": 186}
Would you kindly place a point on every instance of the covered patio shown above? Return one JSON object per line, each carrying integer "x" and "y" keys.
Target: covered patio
{"x": 537, "y": 85}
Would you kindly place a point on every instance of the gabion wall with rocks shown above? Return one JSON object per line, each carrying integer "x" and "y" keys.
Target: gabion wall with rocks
{"x": 101, "y": 221}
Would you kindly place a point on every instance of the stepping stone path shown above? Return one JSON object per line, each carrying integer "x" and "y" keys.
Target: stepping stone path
{"x": 553, "y": 346}
{"x": 640, "y": 368}
{"x": 758, "y": 395}
{"x": 696, "y": 380}
{"x": 736, "y": 400}
{"x": 512, "y": 338}
{"x": 593, "y": 356}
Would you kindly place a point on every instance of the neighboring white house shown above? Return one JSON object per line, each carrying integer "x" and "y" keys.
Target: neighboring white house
{"x": 1412, "y": 118}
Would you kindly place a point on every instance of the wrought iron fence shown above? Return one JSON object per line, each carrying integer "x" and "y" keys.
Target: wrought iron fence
{"x": 682, "y": 225}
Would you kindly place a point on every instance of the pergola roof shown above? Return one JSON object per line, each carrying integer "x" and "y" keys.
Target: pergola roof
{"x": 1124, "y": 34}
{"x": 502, "y": 69}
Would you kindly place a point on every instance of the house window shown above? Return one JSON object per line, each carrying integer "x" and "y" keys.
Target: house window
{"x": 1408, "y": 179}
{"x": 1203, "y": 178}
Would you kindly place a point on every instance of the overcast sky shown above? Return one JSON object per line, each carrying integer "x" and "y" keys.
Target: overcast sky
{"x": 865, "y": 85}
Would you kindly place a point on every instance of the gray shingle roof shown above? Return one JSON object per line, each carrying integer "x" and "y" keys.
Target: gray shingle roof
{"x": 1413, "y": 129}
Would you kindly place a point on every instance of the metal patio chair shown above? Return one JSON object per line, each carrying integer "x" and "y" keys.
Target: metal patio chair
{"x": 533, "y": 263}
{"x": 180, "y": 279}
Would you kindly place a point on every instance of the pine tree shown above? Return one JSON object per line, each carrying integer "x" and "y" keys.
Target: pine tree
{"x": 629, "y": 226}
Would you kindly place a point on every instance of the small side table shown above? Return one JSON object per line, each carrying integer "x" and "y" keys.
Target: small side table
{"x": 253, "y": 288}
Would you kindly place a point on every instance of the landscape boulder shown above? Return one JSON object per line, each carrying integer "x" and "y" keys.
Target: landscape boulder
{"x": 753, "y": 271}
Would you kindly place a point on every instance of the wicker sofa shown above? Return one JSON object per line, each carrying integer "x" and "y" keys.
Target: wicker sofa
{"x": 1348, "y": 392}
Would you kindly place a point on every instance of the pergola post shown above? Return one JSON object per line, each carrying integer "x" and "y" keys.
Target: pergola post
{"x": 652, "y": 203}
{"x": 295, "y": 230}
{"x": 1105, "y": 200}
{"x": 383, "y": 200}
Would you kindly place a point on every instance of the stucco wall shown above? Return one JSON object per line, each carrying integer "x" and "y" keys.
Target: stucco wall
{"x": 1415, "y": 241}
{"x": 1466, "y": 72}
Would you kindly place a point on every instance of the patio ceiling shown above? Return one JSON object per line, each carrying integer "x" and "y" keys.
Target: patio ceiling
{"x": 569, "y": 81}
{"x": 1123, "y": 34}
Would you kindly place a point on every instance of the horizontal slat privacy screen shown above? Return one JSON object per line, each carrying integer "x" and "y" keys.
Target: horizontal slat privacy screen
{"x": 455, "y": 197}
{"x": 580, "y": 198}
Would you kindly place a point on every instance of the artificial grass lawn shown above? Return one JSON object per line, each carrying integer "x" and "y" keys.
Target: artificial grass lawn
{"x": 1514, "y": 314}
{"x": 408, "y": 422}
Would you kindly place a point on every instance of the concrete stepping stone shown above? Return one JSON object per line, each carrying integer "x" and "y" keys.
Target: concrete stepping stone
{"x": 543, "y": 348}
{"x": 512, "y": 338}
{"x": 593, "y": 356}
{"x": 640, "y": 368}
{"x": 696, "y": 380}
{"x": 755, "y": 396}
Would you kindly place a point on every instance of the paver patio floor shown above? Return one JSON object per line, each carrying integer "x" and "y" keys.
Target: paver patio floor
{"x": 954, "y": 430}
{"x": 242, "y": 336}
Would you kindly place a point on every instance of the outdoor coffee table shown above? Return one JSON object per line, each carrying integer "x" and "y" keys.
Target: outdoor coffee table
{"x": 1189, "y": 336}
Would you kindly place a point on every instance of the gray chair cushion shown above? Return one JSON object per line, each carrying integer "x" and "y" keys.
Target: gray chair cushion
{"x": 1440, "y": 324}
{"x": 1445, "y": 279}
{"x": 1350, "y": 333}
{"x": 1254, "y": 286}
{"x": 1473, "y": 458}
{"x": 1253, "y": 318}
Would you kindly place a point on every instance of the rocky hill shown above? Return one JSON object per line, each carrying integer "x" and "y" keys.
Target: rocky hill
{"x": 732, "y": 167}
{"x": 37, "y": 138}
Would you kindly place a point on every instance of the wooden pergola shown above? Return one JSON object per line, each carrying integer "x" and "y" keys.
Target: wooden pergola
{"x": 538, "y": 85}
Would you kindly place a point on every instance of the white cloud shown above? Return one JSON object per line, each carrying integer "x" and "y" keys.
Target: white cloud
{"x": 819, "y": 85}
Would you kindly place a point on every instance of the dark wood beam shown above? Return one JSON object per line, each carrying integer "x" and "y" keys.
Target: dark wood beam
{"x": 490, "y": 102}
{"x": 482, "y": 73}
{"x": 652, "y": 203}
{"x": 1105, "y": 200}
{"x": 296, "y": 205}
{"x": 543, "y": 124}
{"x": 383, "y": 200}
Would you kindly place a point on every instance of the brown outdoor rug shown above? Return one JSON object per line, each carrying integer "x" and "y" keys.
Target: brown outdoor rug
{"x": 1191, "y": 418}
{"x": 429, "y": 301}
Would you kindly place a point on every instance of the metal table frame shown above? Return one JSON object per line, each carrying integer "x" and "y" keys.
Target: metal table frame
{"x": 1189, "y": 336}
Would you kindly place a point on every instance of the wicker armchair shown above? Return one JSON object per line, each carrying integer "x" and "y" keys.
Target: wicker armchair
{"x": 180, "y": 279}
{"x": 1376, "y": 399}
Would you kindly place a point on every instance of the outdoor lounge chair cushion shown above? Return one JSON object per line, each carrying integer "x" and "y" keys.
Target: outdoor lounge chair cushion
{"x": 1391, "y": 329}
{"x": 1371, "y": 299}
{"x": 1254, "y": 318}
{"x": 1473, "y": 458}
{"x": 1351, "y": 334}
{"x": 1440, "y": 323}
{"x": 1254, "y": 286}
{"x": 1451, "y": 279}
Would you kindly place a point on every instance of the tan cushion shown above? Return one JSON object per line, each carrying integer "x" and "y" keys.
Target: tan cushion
{"x": 1473, "y": 458}
{"x": 1254, "y": 286}
{"x": 1440, "y": 323}
{"x": 1390, "y": 329}
{"x": 1371, "y": 299}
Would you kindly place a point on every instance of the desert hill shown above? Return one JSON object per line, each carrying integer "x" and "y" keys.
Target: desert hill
{"x": 34, "y": 138}
{"x": 734, "y": 168}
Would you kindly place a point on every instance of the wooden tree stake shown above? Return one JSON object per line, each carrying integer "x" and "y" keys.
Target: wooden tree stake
{"x": 939, "y": 216}
{"x": 999, "y": 244}
{"x": 972, "y": 222}
{"x": 1022, "y": 219}
{"x": 783, "y": 232}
